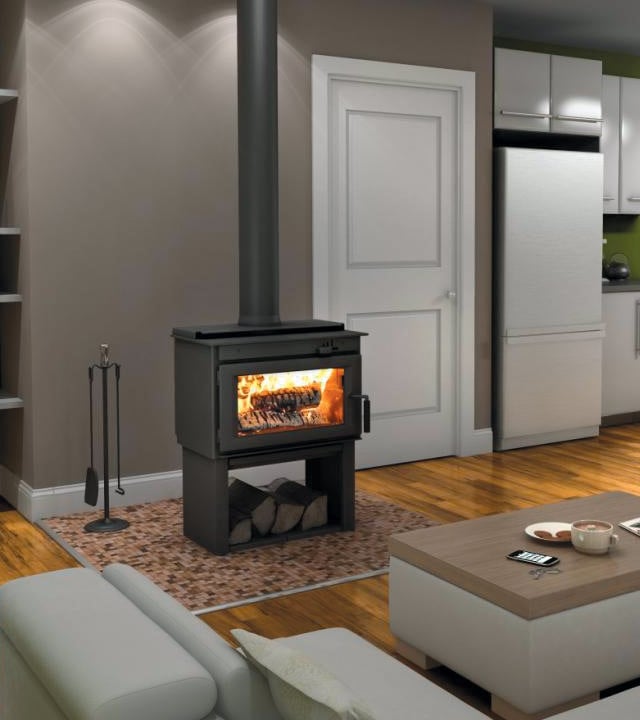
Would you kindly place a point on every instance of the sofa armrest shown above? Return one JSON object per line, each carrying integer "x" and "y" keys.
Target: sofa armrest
{"x": 96, "y": 654}
{"x": 243, "y": 693}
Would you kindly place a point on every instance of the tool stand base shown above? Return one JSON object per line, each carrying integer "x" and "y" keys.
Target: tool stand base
{"x": 106, "y": 525}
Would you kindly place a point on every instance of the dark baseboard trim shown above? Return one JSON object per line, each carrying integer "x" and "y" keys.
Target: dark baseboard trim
{"x": 620, "y": 419}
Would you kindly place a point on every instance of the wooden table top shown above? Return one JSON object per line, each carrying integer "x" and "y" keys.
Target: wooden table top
{"x": 471, "y": 554}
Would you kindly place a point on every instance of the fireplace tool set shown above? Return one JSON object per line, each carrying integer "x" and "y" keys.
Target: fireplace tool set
{"x": 106, "y": 523}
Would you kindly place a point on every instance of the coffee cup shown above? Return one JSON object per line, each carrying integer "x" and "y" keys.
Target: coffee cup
{"x": 593, "y": 537}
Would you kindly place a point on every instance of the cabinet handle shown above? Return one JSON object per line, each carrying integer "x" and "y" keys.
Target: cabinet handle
{"x": 577, "y": 118}
{"x": 525, "y": 114}
{"x": 637, "y": 343}
{"x": 634, "y": 198}
{"x": 608, "y": 197}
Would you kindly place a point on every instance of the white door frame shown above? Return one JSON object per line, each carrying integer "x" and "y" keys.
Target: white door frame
{"x": 325, "y": 70}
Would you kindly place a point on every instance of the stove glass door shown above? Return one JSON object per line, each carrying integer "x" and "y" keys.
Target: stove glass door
{"x": 288, "y": 401}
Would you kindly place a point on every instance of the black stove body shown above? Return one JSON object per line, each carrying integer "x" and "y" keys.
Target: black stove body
{"x": 247, "y": 397}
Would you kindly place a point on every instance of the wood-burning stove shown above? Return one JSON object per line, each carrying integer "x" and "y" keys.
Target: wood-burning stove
{"x": 253, "y": 398}
{"x": 237, "y": 402}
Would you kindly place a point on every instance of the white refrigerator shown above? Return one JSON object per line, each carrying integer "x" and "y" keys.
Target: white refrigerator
{"x": 548, "y": 296}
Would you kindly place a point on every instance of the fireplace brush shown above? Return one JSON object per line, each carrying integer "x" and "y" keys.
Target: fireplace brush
{"x": 106, "y": 523}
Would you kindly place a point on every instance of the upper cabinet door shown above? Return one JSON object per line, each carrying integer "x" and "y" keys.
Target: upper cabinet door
{"x": 629, "y": 145}
{"x": 610, "y": 142}
{"x": 576, "y": 92}
{"x": 521, "y": 95}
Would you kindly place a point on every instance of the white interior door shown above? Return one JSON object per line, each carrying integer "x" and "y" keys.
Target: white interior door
{"x": 391, "y": 253}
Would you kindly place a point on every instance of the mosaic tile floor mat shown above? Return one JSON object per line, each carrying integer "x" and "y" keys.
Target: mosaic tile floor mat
{"x": 154, "y": 545}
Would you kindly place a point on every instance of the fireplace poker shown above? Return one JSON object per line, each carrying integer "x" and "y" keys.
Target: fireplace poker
{"x": 107, "y": 523}
{"x": 119, "y": 488}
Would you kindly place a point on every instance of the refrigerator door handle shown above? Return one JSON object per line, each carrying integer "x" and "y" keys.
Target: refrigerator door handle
{"x": 554, "y": 330}
{"x": 559, "y": 337}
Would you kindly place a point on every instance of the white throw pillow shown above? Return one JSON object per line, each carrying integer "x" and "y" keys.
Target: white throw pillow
{"x": 301, "y": 689}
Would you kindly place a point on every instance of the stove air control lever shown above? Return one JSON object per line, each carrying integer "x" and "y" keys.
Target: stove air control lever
{"x": 366, "y": 411}
{"x": 327, "y": 348}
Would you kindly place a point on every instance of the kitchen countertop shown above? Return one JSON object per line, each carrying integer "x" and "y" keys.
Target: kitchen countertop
{"x": 629, "y": 285}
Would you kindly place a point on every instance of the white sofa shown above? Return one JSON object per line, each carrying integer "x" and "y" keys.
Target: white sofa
{"x": 77, "y": 645}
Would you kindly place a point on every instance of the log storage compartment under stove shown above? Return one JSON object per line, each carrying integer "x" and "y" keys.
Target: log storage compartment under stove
{"x": 250, "y": 399}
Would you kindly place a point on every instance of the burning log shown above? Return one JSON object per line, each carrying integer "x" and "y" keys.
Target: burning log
{"x": 239, "y": 526}
{"x": 313, "y": 501}
{"x": 287, "y": 399}
{"x": 257, "y": 420}
{"x": 256, "y": 503}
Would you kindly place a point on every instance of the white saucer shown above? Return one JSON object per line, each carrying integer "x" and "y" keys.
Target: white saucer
{"x": 548, "y": 527}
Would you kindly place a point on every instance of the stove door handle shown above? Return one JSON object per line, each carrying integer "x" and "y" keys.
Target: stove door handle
{"x": 366, "y": 412}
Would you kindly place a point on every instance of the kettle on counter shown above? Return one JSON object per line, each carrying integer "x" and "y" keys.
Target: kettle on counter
{"x": 617, "y": 268}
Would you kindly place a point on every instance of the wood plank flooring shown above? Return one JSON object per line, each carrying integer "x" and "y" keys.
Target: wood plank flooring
{"x": 445, "y": 490}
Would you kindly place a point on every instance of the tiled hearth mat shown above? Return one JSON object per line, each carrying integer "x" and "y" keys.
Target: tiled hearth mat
{"x": 154, "y": 544}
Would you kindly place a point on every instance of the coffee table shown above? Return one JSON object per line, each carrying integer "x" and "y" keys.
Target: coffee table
{"x": 538, "y": 646}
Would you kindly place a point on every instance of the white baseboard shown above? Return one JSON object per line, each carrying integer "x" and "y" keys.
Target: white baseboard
{"x": 37, "y": 503}
{"x": 478, "y": 443}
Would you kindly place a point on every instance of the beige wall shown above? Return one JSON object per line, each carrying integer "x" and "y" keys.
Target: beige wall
{"x": 131, "y": 163}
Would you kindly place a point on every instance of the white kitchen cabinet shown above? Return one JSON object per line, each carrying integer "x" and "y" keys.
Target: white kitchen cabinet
{"x": 621, "y": 353}
{"x": 576, "y": 95}
{"x": 522, "y": 100}
{"x": 620, "y": 144}
{"x": 547, "y": 93}
{"x": 610, "y": 143}
{"x": 629, "y": 145}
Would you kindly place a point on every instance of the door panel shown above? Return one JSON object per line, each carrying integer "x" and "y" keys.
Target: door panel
{"x": 393, "y": 160}
{"x": 550, "y": 242}
{"x": 390, "y": 167}
{"x": 550, "y": 383}
{"x": 414, "y": 388}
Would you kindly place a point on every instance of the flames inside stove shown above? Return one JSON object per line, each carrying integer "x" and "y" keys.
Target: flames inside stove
{"x": 285, "y": 401}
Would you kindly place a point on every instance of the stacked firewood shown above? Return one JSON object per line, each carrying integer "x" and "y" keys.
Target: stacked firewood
{"x": 280, "y": 507}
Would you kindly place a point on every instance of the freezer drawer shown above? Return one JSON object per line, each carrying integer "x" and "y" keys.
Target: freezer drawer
{"x": 548, "y": 387}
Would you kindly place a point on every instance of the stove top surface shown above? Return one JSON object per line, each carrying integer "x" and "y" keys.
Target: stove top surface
{"x": 211, "y": 332}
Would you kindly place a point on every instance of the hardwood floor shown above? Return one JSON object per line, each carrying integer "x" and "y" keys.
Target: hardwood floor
{"x": 445, "y": 490}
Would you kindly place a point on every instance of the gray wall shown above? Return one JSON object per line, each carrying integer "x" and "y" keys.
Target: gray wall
{"x": 127, "y": 191}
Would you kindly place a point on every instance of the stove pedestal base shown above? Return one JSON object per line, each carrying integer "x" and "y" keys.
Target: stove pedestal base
{"x": 329, "y": 468}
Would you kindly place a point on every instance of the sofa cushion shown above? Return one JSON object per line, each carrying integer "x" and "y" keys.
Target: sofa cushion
{"x": 243, "y": 693}
{"x": 98, "y": 655}
{"x": 390, "y": 687}
{"x": 301, "y": 688}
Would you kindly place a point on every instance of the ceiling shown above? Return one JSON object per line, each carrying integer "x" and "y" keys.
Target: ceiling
{"x": 599, "y": 24}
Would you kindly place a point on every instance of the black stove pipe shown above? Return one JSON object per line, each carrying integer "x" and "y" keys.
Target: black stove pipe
{"x": 258, "y": 161}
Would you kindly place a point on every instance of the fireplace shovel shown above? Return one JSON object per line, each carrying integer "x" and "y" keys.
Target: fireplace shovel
{"x": 91, "y": 483}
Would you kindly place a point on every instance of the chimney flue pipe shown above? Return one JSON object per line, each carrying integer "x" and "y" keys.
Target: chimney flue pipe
{"x": 258, "y": 161}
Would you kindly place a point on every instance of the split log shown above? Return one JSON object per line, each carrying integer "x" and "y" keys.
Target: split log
{"x": 253, "y": 501}
{"x": 288, "y": 514}
{"x": 239, "y": 526}
{"x": 259, "y": 420}
{"x": 314, "y": 501}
